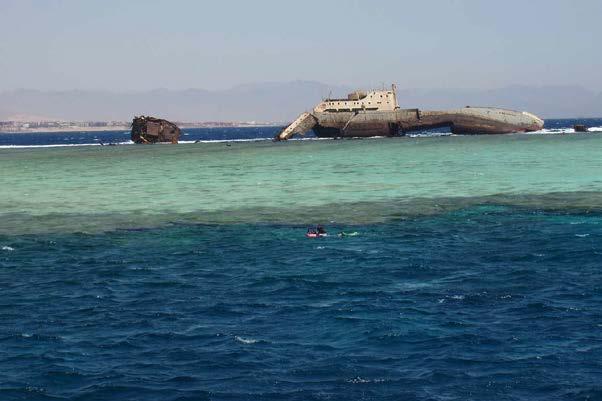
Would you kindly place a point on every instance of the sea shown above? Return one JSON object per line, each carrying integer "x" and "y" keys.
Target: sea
{"x": 455, "y": 267}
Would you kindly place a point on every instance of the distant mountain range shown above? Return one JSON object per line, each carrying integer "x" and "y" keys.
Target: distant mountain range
{"x": 279, "y": 102}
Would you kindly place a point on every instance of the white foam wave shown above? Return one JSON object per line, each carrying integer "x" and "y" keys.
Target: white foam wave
{"x": 260, "y": 139}
{"x": 429, "y": 134}
{"x": 314, "y": 138}
{"x": 361, "y": 380}
{"x": 225, "y": 140}
{"x": 565, "y": 130}
{"x": 245, "y": 340}
{"x": 549, "y": 131}
{"x": 7, "y": 248}
{"x": 47, "y": 146}
{"x": 61, "y": 145}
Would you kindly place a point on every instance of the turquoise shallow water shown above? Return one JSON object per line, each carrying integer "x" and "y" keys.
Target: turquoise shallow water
{"x": 181, "y": 273}
{"x": 102, "y": 188}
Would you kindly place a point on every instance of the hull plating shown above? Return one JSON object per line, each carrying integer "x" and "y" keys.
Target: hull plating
{"x": 468, "y": 121}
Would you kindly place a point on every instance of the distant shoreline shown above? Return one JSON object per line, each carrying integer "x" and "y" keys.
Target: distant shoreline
{"x": 127, "y": 128}
{"x": 64, "y": 129}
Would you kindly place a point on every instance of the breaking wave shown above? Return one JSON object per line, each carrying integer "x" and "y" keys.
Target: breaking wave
{"x": 62, "y": 145}
{"x": 564, "y": 130}
{"x": 259, "y": 139}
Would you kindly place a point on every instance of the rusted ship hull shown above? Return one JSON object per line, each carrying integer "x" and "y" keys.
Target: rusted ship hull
{"x": 147, "y": 130}
{"x": 466, "y": 121}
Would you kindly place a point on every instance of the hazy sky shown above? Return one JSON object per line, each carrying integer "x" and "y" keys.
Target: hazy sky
{"x": 139, "y": 45}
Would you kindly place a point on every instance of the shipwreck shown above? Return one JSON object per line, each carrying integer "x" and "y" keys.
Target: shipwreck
{"x": 377, "y": 113}
{"x": 154, "y": 130}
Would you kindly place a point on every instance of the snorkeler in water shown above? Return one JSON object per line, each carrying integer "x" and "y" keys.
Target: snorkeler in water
{"x": 319, "y": 231}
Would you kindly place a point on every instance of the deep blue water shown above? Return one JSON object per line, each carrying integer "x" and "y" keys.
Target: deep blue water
{"x": 205, "y": 134}
{"x": 487, "y": 303}
{"x": 121, "y": 136}
{"x": 484, "y": 303}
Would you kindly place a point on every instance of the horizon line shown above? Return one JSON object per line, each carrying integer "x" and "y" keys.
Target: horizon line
{"x": 259, "y": 83}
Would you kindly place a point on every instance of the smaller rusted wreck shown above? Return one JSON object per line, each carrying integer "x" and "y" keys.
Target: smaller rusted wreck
{"x": 147, "y": 130}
